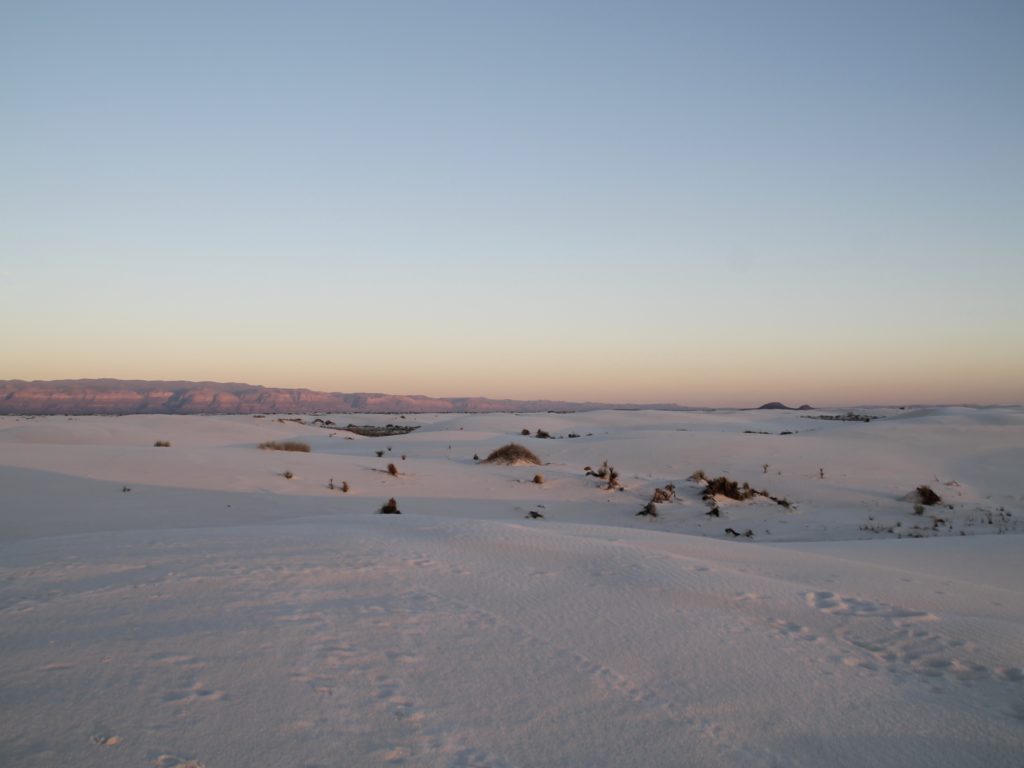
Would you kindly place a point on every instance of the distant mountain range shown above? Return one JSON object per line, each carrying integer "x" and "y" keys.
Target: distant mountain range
{"x": 116, "y": 396}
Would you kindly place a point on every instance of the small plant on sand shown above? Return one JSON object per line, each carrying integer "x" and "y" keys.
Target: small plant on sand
{"x": 927, "y": 496}
{"x": 288, "y": 445}
{"x": 698, "y": 477}
{"x": 543, "y": 435}
{"x": 476, "y": 457}
{"x": 513, "y": 453}
{"x": 287, "y": 474}
{"x": 390, "y": 508}
{"x": 330, "y": 484}
{"x": 538, "y": 479}
{"x": 764, "y": 468}
{"x": 162, "y": 444}
{"x": 664, "y": 495}
{"x": 525, "y": 433}
{"x": 380, "y": 454}
{"x": 650, "y": 510}
{"x": 392, "y": 470}
{"x": 344, "y": 486}
{"x": 534, "y": 515}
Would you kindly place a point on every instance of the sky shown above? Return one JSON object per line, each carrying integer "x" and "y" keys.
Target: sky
{"x": 708, "y": 203}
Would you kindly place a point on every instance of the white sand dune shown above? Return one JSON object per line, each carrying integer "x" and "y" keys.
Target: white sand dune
{"x": 219, "y": 614}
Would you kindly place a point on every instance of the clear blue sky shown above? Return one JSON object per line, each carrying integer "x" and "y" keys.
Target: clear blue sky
{"x": 709, "y": 203}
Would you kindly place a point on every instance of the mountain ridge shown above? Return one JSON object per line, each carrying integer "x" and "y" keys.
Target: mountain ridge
{"x": 130, "y": 396}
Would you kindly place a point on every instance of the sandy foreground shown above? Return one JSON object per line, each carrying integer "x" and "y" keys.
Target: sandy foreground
{"x": 191, "y": 606}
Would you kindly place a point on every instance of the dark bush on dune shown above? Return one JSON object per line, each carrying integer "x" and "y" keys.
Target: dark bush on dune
{"x": 927, "y": 496}
{"x": 723, "y": 486}
{"x": 513, "y": 453}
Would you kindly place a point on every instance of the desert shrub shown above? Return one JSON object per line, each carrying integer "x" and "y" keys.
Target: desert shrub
{"x": 330, "y": 484}
{"x": 538, "y": 479}
{"x": 288, "y": 445}
{"x": 663, "y": 495}
{"x": 918, "y": 509}
{"x": 513, "y": 453}
{"x": 525, "y": 433}
{"x": 287, "y": 474}
{"x": 344, "y": 486}
{"x": 927, "y": 496}
{"x": 162, "y": 444}
{"x": 698, "y": 476}
{"x": 392, "y": 470}
{"x": 600, "y": 473}
{"x": 380, "y": 454}
{"x": 650, "y": 510}
{"x": 534, "y": 515}
{"x": 543, "y": 435}
{"x": 390, "y": 508}
{"x": 476, "y": 457}
{"x": 723, "y": 486}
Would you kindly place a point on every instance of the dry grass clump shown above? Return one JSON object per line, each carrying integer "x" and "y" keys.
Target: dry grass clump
{"x": 287, "y": 474}
{"x": 513, "y": 453}
{"x": 162, "y": 444}
{"x": 605, "y": 472}
{"x": 390, "y": 508}
{"x": 538, "y": 479}
{"x": 664, "y": 495}
{"x": 392, "y": 470}
{"x": 287, "y": 445}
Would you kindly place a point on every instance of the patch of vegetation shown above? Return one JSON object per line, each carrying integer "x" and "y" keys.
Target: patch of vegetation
{"x": 162, "y": 444}
{"x": 607, "y": 473}
{"x": 927, "y": 496}
{"x": 664, "y": 495}
{"x": 538, "y": 479}
{"x": 369, "y": 430}
{"x": 733, "y": 532}
{"x": 723, "y": 486}
{"x": 287, "y": 474}
{"x": 390, "y": 508}
{"x": 392, "y": 470}
{"x": 513, "y": 453}
{"x": 650, "y": 510}
{"x": 288, "y": 445}
{"x": 730, "y": 489}
{"x": 848, "y": 416}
